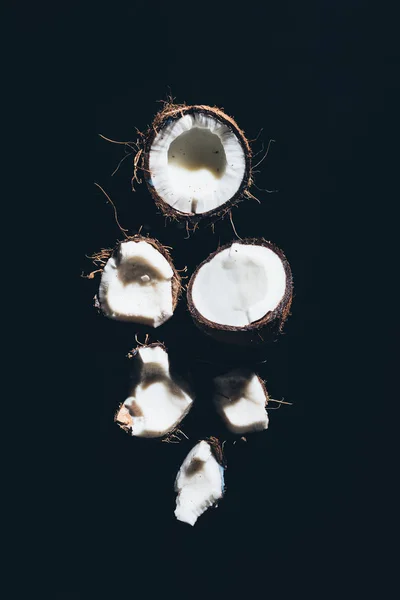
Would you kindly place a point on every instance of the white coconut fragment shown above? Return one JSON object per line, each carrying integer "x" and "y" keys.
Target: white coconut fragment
{"x": 158, "y": 402}
{"x": 197, "y": 163}
{"x": 199, "y": 483}
{"x": 136, "y": 285}
{"x": 240, "y": 398}
{"x": 239, "y": 285}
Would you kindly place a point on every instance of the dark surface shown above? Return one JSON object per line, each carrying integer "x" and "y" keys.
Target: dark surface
{"x": 296, "y": 71}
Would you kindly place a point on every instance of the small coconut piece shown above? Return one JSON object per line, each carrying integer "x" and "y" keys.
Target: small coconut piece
{"x": 196, "y": 162}
{"x": 242, "y": 293}
{"x": 158, "y": 400}
{"x": 200, "y": 481}
{"x": 139, "y": 283}
{"x": 240, "y": 398}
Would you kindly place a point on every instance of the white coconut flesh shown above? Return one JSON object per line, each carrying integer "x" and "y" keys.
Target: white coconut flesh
{"x": 239, "y": 285}
{"x": 138, "y": 286}
{"x": 196, "y": 163}
{"x": 240, "y": 399}
{"x": 199, "y": 483}
{"x": 158, "y": 403}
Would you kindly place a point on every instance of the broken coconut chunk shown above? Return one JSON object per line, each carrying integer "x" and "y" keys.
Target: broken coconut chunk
{"x": 199, "y": 483}
{"x": 158, "y": 401}
{"x": 242, "y": 293}
{"x": 139, "y": 283}
{"x": 240, "y": 398}
{"x": 196, "y": 161}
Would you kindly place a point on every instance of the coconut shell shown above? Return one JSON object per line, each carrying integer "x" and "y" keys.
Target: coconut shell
{"x": 259, "y": 332}
{"x": 216, "y": 449}
{"x": 172, "y": 112}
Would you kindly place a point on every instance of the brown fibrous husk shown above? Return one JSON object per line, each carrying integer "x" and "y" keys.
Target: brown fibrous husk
{"x": 217, "y": 450}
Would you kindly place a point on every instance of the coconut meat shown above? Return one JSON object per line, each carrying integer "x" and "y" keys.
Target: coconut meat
{"x": 196, "y": 163}
{"x": 158, "y": 403}
{"x": 199, "y": 483}
{"x": 240, "y": 398}
{"x": 137, "y": 285}
{"x": 239, "y": 285}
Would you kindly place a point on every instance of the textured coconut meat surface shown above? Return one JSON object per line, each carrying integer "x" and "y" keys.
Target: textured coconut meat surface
{"x": 240, "y": 399}
{"x": 239, "y": 285}
{"x": 137, "y": 285}
{"x": 199, "y": 483}
{"x": 196, "y": 163}
{"x": 158, "y": 403}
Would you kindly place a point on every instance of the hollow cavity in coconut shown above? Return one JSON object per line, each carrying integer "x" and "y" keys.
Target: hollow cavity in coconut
{"x": 158, "y": 400}
{"x": 241, "y": 398}
{"x": 197, "y": 162}
{"x": 139, "y": 283}
{"x": 200, "y": 481}
{"x": 242, "y": 293}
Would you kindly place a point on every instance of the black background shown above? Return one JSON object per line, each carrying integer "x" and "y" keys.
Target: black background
{"x": 294, "y": 72}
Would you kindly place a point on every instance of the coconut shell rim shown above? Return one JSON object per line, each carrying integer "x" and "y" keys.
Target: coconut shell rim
{"x": 280, "y": 312}
{"x": 173, "y": 112}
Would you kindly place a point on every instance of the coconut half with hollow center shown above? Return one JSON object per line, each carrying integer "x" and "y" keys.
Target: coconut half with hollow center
{"x": 139, "y": 283}
{"x": 200, "y": 481}
{"x": 242, "y": 293}
{"x": 240, "y": 398}
{"x": 158, "y": 400}
{"x": 196, "y": 162}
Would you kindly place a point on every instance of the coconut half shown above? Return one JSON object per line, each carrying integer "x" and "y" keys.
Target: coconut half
{"x": 139, "y": 283}
{"x": 197, "y": 162}
{"x": 158, "y": 401}
{"x": 199, "y": 483}
{"x": 240, "y": 398}
{"x": 242, "y": 293}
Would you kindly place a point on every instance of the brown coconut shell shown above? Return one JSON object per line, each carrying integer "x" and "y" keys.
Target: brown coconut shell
{"x": 217, "y": 450}
{"x": 259, "y": 332}
{"x": 104, "y": 255}
{"x": 172, "y": 112}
